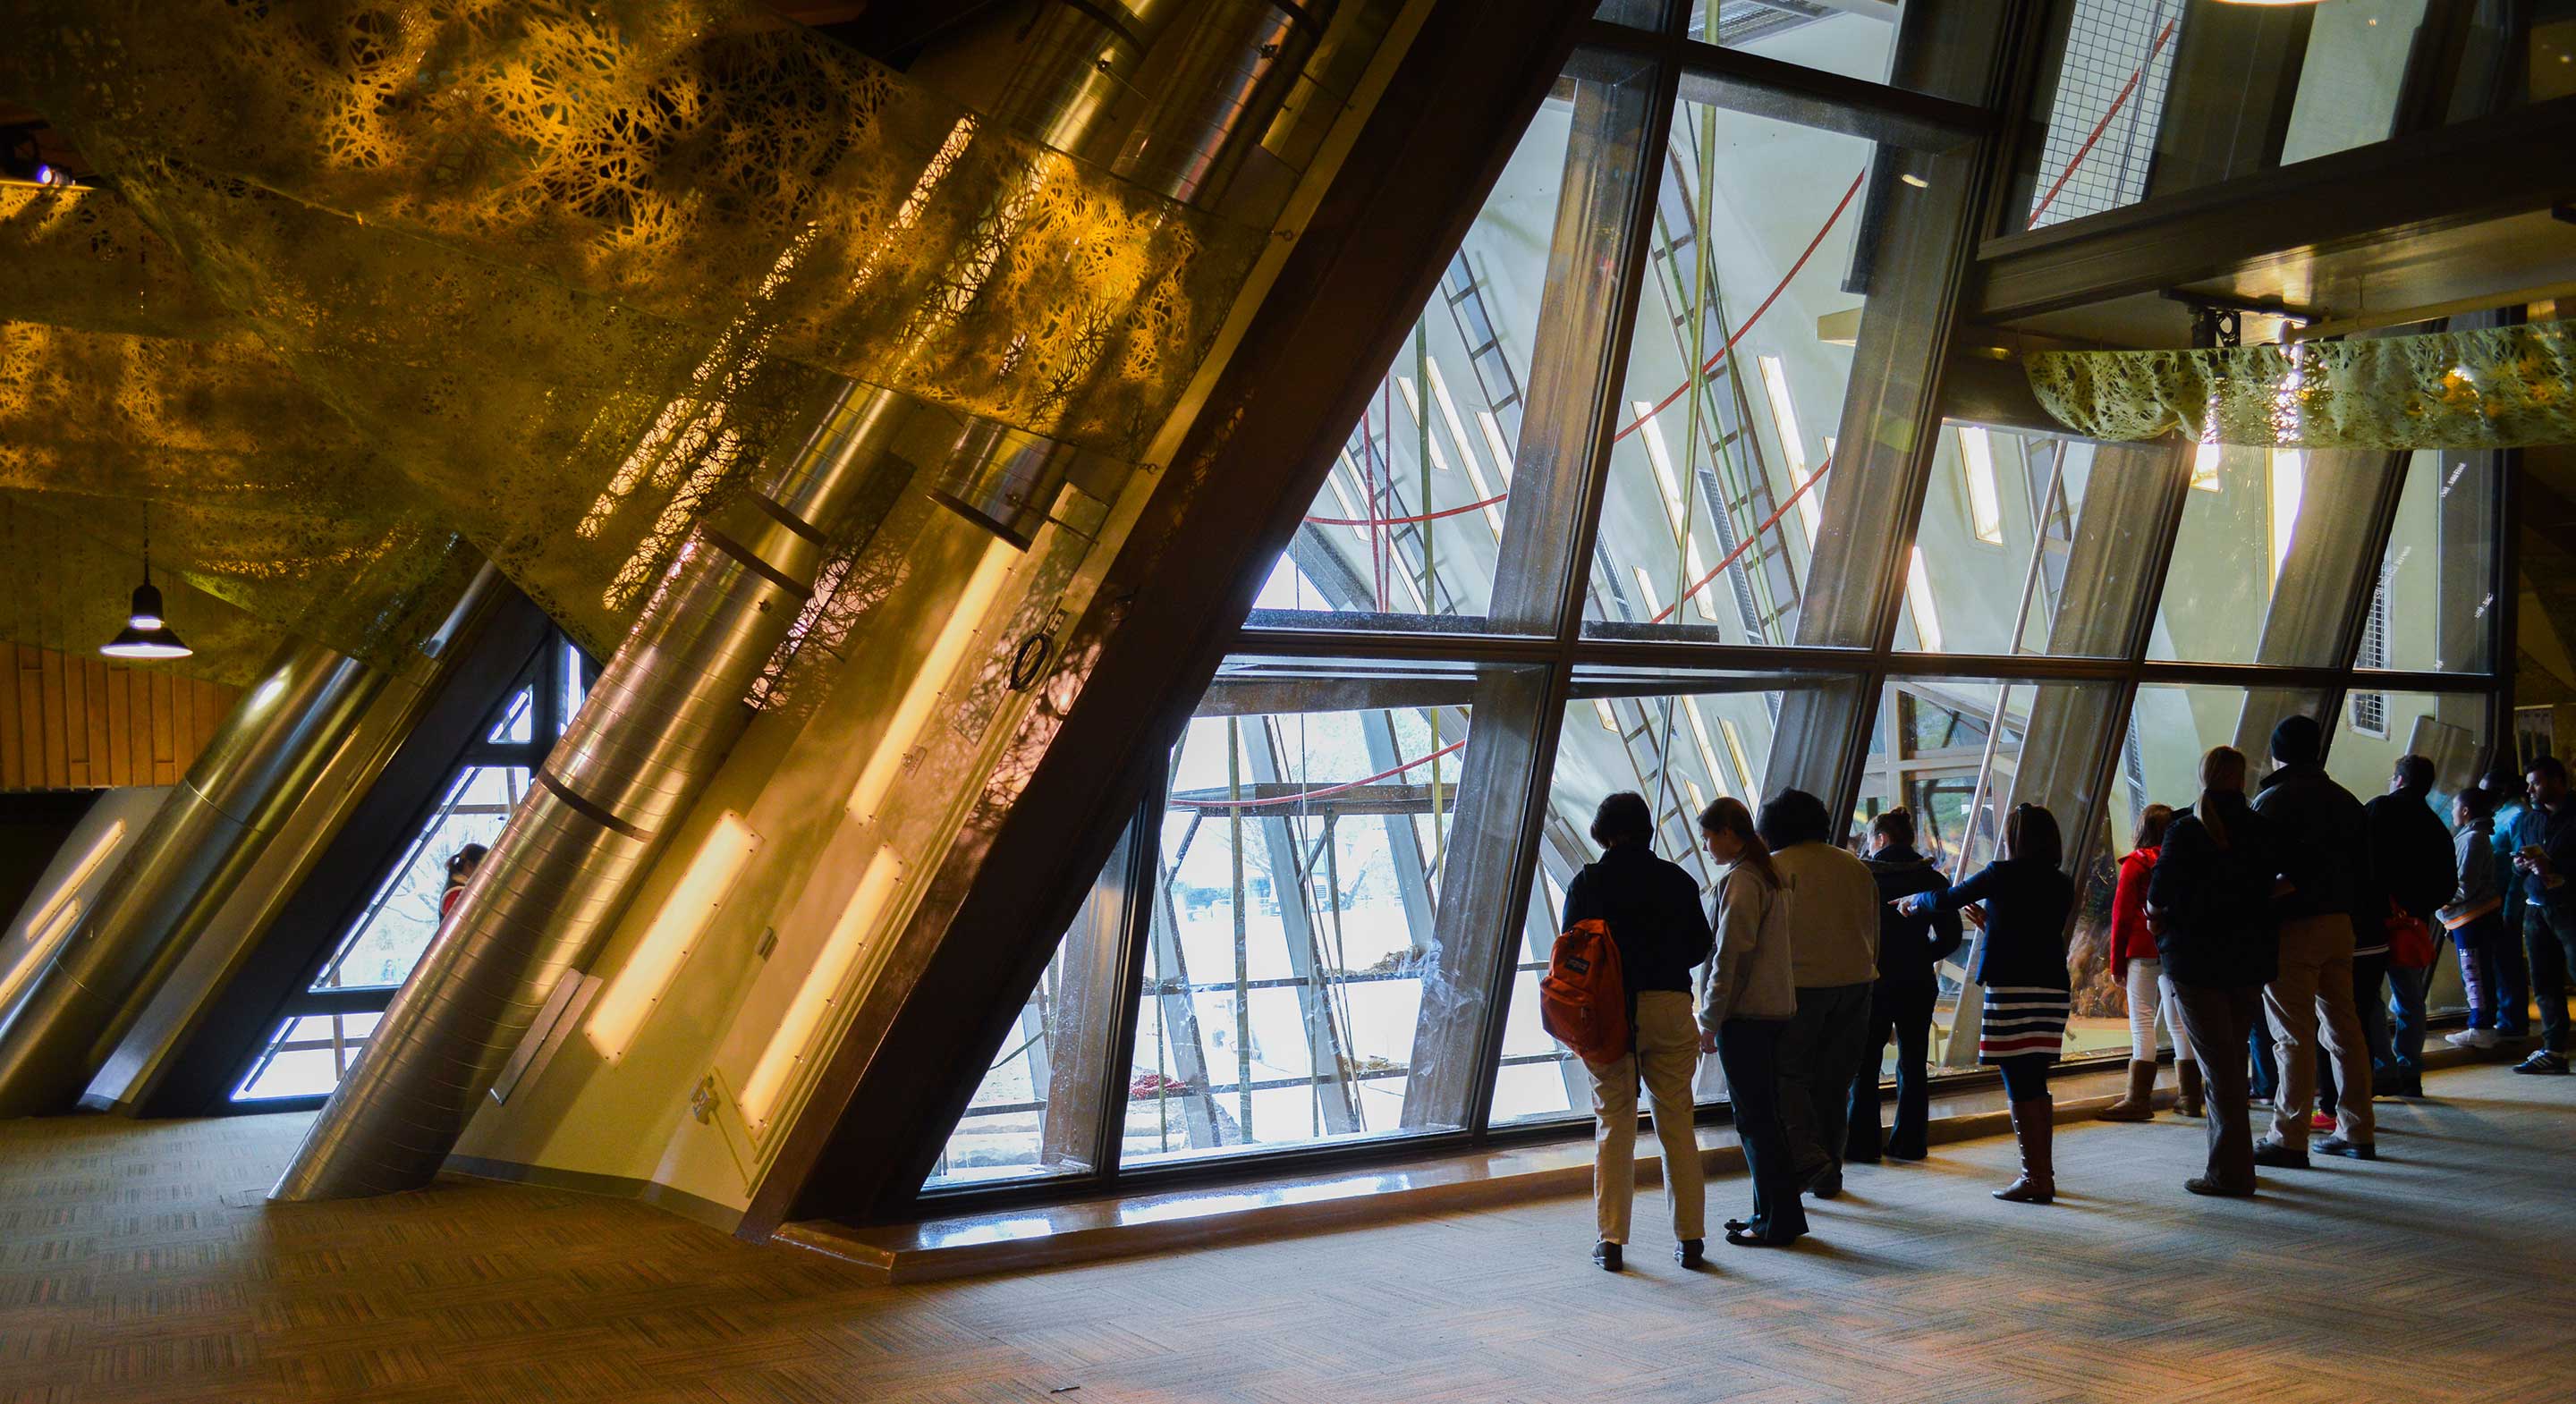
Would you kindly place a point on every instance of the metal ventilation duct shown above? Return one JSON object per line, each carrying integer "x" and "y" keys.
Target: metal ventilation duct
{"x": 670, "y": 706}
{"x": 187, "y": 862}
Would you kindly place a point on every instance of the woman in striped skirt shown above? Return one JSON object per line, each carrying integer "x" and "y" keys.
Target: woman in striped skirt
{"x": 2025, "y": 899}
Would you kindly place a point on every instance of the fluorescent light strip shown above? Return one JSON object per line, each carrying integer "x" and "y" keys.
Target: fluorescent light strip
{"x": 1735, "y": 748}
{"x": 1466, "y": 446}
{"x": 2204, "y": 467}
{"x": 1350, "y": 509}
{"x": 2289, "y": 486}
{"x": 1918, "y": 593}
{"x": 1784, "y": 419}
{"x": 1659, "y": 454}
{"x": 645, "y": 979}
{"x": 822, "y": 990}
{"x": 1646, "y": 583}
{"x": 1413, "y": 402}
{"x": 1699, "y": 732}
{"x": 931, "y": 679}
{"x": 73, "y": 881}
{"x": 1494, "y": 440}
{"x": 1985, "y": 505}
{"x": 40, "y": 951}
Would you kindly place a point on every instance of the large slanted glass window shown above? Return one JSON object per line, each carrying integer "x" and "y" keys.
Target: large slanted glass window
{"x": 1295, "y": 931}
{"x": 324, "y": 1027}
{"x": 1416, "y": 519}
{"x": 2147, "y": 98}
{"x": 1660, "y": 493}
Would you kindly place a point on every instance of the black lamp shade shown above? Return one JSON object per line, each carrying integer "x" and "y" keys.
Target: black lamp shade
{"x": 146, "y": 633}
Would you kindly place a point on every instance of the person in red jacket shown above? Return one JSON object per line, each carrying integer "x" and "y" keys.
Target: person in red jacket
{"x": 2135, "y": 965}
{"x": 460, "y": 871}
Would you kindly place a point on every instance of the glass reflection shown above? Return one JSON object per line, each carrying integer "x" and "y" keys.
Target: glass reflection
{"x": 2146, "y": 98}
{"x": 1292, "y": 934}
{"x": 399, "y": 922}
{"x": 1720, "y": 461}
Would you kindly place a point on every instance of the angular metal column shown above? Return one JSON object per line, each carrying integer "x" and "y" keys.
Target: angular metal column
{"x": 670, "y": 706}
{"x": 661, "y": 719}
{"x": 187, "y": 862}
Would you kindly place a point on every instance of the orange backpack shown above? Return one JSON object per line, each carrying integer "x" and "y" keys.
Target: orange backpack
{"x": 1583, "y": 1002}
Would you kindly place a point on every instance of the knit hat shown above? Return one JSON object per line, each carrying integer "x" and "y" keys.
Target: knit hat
{"x": 2296, "y": 740}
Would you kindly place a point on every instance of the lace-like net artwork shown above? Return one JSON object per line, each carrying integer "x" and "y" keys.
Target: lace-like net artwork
{"x": 551, "y": 278}
{"x": 2499, "y": 387}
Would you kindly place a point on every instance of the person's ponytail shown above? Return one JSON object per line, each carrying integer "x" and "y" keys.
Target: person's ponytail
{"x": 1727, "y": 815}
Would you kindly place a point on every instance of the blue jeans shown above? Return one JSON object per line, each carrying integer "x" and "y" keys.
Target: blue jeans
{"x": 2406, "y": 1010}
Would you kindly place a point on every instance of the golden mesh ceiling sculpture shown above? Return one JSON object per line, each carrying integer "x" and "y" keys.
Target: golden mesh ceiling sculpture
{"x": 2500, "y": 387}
{"x": 549, "y": 277}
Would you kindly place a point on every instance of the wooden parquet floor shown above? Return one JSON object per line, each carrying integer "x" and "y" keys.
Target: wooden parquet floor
{"x": 136, "y": 1263}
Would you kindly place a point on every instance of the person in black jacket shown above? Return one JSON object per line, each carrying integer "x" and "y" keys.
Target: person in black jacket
{"x": 2024, "y": 898}
{"x": 2210, "y": 905}
{"x": 1909, "y": 949}
{"x": 2324, "y": 839}
{"x": 1653, "y": 911}
{"x": 2415, "y": 869}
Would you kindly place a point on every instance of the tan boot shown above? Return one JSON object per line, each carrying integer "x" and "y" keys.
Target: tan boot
{"x": 2190, "y": 1102}
{"x": 2138, "y": 1104}
{"x": 2035, "y": 1128}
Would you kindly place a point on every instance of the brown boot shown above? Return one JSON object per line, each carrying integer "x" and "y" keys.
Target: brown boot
{"x": 2189, "y": 1104}
{"x": 2034, "y": 1127}
{"x": 2138, "y": 1104}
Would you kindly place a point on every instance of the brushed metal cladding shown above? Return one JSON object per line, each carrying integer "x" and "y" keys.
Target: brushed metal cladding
{"x": 661, "y": 718}
{"x": 1077, "y": 61}
{"x": 670, "y": 706}
{"x": 1235, "y": 68}
{"x": 185, "y": 864}
{"x": 1237, "y": 65}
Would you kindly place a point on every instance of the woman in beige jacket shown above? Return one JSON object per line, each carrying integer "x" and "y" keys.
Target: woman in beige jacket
{"x": 1746, "y": 1000}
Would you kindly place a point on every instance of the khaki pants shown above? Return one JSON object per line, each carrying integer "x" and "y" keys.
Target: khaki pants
{"x": 2309, "y": 999}
{"x": 1668, "y": 1052}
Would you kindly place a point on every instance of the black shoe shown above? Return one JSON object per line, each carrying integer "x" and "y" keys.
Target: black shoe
{"x": 2541, "y": 1061}
{"x": 2279, "y": 1156}
{"x": 2349, "y": 1150}
{"x": 2202, "y": 1184}
{"x": 1909, "y": 1153}
{"x": 1609, "y": 1256}
{"x": 1743, "y": 1239}
{"x": 1692, "y": 1252}
{"x": 1826, "y": 1183}
{"x": 1739, "y": 1226}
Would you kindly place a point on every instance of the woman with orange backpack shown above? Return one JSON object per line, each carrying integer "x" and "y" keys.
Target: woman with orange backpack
{"x": 1651, "y": 908}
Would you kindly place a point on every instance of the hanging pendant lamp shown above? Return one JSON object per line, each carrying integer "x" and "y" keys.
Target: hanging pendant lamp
{"x": 147, "y": 634}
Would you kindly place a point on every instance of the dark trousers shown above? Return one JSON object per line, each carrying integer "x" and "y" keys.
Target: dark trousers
{"x": 1903, "y": 1010}
{"x": 2025, "y": 1076}
{"x": 1749, "y": 1050}
{"x": 1818, "y": 1055}
{"x": 2370, "y": 1001}
{"x": 2265, "y": 1074}
{"x": 2550, "y": 932}
{"x": 2510, "y": 968}
{"x": 2219, "y": 1019}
